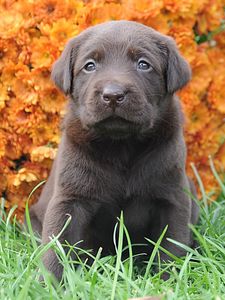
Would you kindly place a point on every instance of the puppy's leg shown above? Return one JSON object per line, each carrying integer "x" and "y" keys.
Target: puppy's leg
{"x": 55, "y": 218}
{"x": 176, "y": 215}
{"x": 37, "y": 211}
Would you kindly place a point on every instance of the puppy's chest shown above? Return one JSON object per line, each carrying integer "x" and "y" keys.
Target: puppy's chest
{"x": 107, "y": 179}
{"x": 137, "y": 214}
{"x": 123, "y": 183}
{"x": 125, "y": 179}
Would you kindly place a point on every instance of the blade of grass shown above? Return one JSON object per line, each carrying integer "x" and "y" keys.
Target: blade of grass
{"x": 202, "y": 189}
{"x": 212, "y": 166}
{"x": 153, "y": 254}
{"x": 119, "y": 254}
{"x": 181, "y": 274}
{"x": 27, "y": 214}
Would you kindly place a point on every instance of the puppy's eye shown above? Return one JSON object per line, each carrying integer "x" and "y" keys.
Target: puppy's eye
{"x": 90, "y": 66}
{"x": 143, "y": 65}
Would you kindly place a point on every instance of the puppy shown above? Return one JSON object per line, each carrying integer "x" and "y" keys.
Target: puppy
{"x": 122, "y": 146}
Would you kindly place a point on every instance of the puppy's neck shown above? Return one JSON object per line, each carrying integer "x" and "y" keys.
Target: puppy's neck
{"x": 169, "y": 123}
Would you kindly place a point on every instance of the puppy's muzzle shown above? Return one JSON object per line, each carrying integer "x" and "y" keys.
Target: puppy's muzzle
{"x": 113, "y": 95}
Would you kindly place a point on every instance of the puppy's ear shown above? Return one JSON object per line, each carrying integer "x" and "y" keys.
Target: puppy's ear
{"x": 62, "y": 70}
{"x": 178, "y": 70}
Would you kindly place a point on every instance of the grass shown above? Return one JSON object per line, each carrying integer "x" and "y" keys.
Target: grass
{"x": 198, "y": 275}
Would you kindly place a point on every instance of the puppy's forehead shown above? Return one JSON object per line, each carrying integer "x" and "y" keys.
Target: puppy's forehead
{"x": 118, "y": 39}
{"x": 121, "y": 33}
{"x": 122, "y": 27}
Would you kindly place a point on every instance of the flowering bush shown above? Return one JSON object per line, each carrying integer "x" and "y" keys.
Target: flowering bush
{"x": 33, "y": 34}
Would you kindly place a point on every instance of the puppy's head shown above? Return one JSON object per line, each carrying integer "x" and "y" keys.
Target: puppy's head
{"x": 119, "y": 76}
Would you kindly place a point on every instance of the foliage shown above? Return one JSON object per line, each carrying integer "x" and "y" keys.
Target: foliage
{"x": 33, "y": 34}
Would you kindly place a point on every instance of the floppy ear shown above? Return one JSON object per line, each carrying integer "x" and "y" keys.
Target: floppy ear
{"x": 178, "y": 70}
{"x": 62, "y": 70}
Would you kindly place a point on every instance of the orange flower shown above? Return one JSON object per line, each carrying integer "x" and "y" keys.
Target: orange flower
{"x": 211, "y": 15}
{"x": 46, "y": 131}
{"x": 10, "y": 24}
{"x": 4, "y": 97}
{"x": 3, "y": 181}
{"x": 216, "y": 93}
{"x": 13, "y": 151}
{"x": 16, "y": 145}
{"x": 51, "y": 10}
{"x": 41, "y": 79}
{"x": 38, "y": 154}
{"x": 198, "y": 118}
{"x": 8, "y": 52}
{"x": 51, "y": 100}
{"x": 3, "y": 142}
{"x": 43, "y": 52}
{"x": 184, "y": 8}
{"x": 210, "y": 183}
{"x": 217, "y": 59}
{"x": 160, "y": 22}
{"x": 60, "y": 31}
{"x": 21, "y": 183}
{"x": 220, "y": 156}
{"x": 23, "y": 175}
{"x": 202, "y": 71}
{"x": 4, "y": 171}
{"x": 143, "y": 9}
{"x": 25, "y": 92}
{"x": 206, "y": 141}
{"x": 188, "y": 96}
{"x": 23, "y": 115}
{"x": 103, "y": 12}
{"x": 220, "y": 39}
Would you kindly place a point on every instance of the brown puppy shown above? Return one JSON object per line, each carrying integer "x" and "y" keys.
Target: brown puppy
{"x": 122, "y": 146}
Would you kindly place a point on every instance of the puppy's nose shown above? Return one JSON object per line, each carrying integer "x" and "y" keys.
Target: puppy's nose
{"x": 113, "y": 94}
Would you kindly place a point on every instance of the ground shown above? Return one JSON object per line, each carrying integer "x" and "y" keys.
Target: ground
{"x": 198, "y": 275}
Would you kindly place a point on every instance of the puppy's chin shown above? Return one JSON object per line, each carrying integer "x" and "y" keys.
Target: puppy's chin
{"x": 116, "y": 128}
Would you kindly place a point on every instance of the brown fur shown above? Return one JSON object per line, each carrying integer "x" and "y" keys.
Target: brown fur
{"x": 122, "y": 146}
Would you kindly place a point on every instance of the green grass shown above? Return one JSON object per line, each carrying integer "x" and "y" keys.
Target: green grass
{"x": 198, "y": 275}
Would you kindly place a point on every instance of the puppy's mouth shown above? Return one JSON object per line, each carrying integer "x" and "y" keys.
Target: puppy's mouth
{"x": 116, "y": 127}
